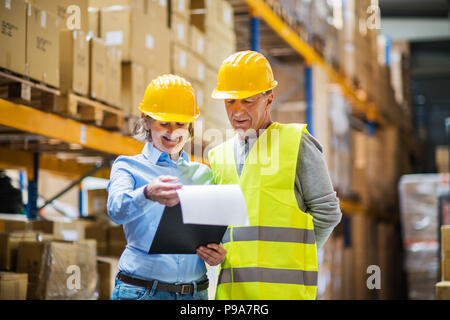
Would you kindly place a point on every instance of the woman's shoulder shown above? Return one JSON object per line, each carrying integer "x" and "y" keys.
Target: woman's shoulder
{"x": 125, "y": 162}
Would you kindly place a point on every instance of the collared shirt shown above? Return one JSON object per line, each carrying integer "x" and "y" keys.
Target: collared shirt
{"x": 140, "y": 217}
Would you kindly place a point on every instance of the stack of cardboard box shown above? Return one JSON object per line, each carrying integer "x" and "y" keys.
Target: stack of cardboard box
{"x": 30, "y": 43}
{"x": 442, "y": 156}
{"x": 420, "y": 226}
{"x": 59, "y": 269}
{"x": 212, "y": 32}
{"x": 50, "y": 252}
{"x": 443, "y": 287}
{"x": 139, "y": 29}
{"x": 13, "y": 285}
{"x": 188, "y": 49}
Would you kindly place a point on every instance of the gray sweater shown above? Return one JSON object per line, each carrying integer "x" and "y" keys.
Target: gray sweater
{"x": 313, "y": 188}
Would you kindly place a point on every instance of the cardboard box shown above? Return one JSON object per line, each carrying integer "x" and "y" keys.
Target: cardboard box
{"x": 181, "y": 8}
{"x": 445, "y": 268}
{"x": 445, "y": 234}
{"x": 43, "y": 46}
{"x": 12, "y": 37}
{"x": 97, "y": 231}
{"x": 196, "y": 68}
{"x": 133, "y": 87}
{"x": 93, "y": 22}
{"x": 30, "y": 255}
{"x": 226, "y": 14}
{"x": 200, "y": 93}
{"x": 139, "y": 31}
{"x": 6, "y": 220}
{"x": 108, "y": 268}
{"x": 98, "y": 70}
{"x": 158, "y": 11}
{"x": 180, "y": 61}
{"x": 115, "y": 28}
{"x": 69, "y": 21}
{"x": 150, "y": 42}
{"x": 197, "y": 41}
{"x": 74, "y": 62}
{"x": 96, "y": 199}
{"x": 108, "y": 3}
{"x": 53, "y": 266}
{"x": 116, "y": 241}
{"x": 9, "y": 244}
{"x": 63, "y": 230}
{"x": 180, "y": 30}
{"x": 113, "y": 76}
{"x": 442, "y": 159}
{"x": 443, "y": 290}
{"x": 13, "y": 286}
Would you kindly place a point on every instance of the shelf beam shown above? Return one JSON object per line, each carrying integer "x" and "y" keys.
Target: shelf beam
{"x": 71, "y": 169}
{"x": 32, "y": 120}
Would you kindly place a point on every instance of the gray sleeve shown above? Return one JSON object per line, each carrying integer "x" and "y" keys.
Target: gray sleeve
{"x": 314, "y": 190}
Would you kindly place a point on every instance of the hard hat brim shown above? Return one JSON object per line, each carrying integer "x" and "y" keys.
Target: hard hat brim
{"x": 220, "y": 95}
{"x": 170, "y": 117}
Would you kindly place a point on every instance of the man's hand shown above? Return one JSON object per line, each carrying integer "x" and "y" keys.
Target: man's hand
{"x": 213, "y": 254}
{"x": 162, "y": 191}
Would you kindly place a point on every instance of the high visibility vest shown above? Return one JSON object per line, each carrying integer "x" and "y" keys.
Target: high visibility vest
{"x": 275, "y": 256}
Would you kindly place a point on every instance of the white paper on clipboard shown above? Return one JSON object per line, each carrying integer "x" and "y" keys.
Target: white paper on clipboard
{"x": 220, "y": 205}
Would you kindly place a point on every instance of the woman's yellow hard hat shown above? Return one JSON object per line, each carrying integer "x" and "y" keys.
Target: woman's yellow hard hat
{"x": 170, "y": 98}
{"x": 242, "y": 75}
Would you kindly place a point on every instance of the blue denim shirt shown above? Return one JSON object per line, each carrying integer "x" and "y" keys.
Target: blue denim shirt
{"x": 140, "y": 217}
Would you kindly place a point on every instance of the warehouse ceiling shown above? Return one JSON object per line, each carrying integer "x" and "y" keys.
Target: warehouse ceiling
{"x": 415, "y": 20}
{"x": 414, "y": 8}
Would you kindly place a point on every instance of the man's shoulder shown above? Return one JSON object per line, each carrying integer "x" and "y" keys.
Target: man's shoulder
{"x": 221, "y": 145}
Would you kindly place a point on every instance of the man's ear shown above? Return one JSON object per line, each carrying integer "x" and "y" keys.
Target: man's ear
{"x": 269, "y": 100}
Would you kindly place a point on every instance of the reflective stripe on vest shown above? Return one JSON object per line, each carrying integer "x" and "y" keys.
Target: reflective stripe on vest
{"x": 276, "y": 234}
{"x": 258, "y": 274}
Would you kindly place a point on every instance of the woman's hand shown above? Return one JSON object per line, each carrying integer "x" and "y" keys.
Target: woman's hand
{"x": 162, "y": 191}
{"x": 213, "y": 254}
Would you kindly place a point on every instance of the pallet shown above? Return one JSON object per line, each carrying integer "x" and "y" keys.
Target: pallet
{"x": 92, "y": 112}
{"x": 22, "y": 90}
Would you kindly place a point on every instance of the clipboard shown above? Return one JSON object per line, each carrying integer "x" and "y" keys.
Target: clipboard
{"x": 175, "y": 237}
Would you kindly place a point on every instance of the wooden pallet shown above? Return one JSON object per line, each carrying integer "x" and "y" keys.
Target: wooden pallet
{"x": 22, "y": 90}
{"x": 92, "y": 112}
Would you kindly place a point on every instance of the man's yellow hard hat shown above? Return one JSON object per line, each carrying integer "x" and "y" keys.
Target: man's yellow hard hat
{"x": 242, "y": 75}
{"x": 170, "y": 98}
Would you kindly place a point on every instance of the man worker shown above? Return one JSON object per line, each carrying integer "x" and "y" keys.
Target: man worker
{"x": 291, "y": 204}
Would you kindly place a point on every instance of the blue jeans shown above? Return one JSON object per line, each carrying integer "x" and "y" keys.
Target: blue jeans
{"x": 125, "y": 291}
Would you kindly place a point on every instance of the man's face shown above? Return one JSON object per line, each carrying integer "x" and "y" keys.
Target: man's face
{"x": 249, "y": 114}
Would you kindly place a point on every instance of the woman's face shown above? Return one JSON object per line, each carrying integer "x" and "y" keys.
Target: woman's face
{"x": 168, "y": 137}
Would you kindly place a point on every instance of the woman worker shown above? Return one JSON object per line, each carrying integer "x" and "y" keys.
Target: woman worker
{"x": 142, "y": 186}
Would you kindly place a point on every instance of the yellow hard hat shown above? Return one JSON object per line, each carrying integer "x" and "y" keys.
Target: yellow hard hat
{"x": 242, "y": 75}
{"x": 170, "y": 98}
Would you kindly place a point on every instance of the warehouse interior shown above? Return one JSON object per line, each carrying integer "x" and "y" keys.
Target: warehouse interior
{"x": 370, "y": 78}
